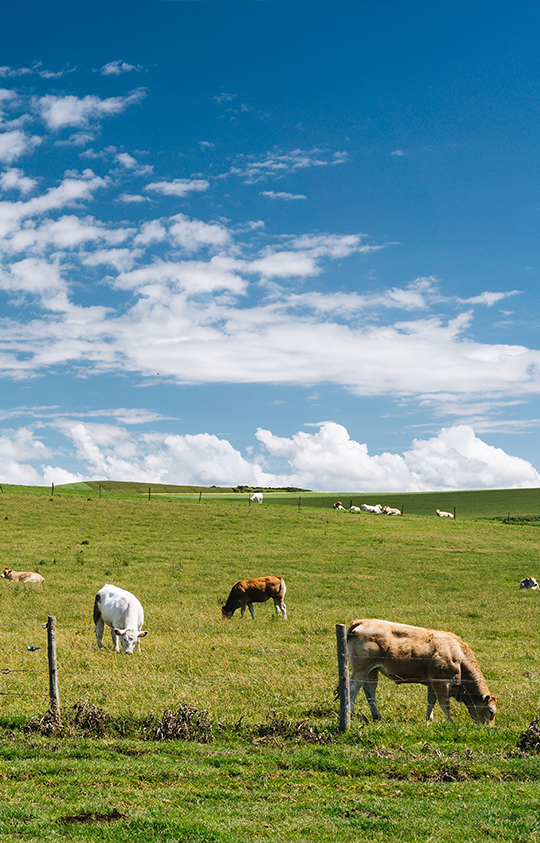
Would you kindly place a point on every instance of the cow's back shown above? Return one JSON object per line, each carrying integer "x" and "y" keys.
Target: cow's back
{"x": 118, "y": 608}
{"x": 404, "y": 652}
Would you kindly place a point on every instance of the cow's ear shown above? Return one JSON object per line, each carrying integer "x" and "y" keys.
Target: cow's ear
{"x": 119, "y": 631}
{"x": 143, "y": 634}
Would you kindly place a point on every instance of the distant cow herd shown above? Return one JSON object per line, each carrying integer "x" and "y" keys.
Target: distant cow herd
{"x": 405, "y": 654}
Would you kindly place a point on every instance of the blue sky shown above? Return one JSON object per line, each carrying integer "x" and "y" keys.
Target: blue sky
{"x": 270, "y": 243}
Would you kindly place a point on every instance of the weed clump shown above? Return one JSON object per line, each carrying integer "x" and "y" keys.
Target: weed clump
{"x": 186, "y": 723}
{"x": 90, "y": 719}
{"x": 279, "y": 727}
{"x": 48, "y": 724}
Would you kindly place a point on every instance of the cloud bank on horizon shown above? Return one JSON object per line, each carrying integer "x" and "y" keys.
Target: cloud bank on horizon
{"x": 167, "y": 266}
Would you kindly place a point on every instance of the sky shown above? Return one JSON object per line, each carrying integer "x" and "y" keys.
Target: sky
{"x": 270, "y": 243}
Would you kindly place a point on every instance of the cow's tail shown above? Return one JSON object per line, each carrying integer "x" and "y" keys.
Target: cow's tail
{"x": 97, "y": 610}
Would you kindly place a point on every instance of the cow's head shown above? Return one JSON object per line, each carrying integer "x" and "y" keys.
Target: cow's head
{"x": 128, "y": 639}
{"x": 482, "y": 709}
{"x": 227, "y": 612}
{"x": 6, "y": 573}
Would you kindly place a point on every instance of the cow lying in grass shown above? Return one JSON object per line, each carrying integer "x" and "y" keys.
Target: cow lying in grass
{"x": 411, "y": 654}
{"x": 247, "y": 592}
{"x": 22, "y": 576}
{"x": 121, "y": 611}
{"x": 528, "y": 582}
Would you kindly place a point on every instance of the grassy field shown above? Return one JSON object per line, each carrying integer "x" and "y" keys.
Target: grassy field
{"x": 267, "y": 760}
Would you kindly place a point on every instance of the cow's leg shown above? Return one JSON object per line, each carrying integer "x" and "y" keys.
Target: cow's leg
{"x": 442, "y": 691}
{"x": 431, "y": 700}
{"x": 99, "y": 627}
{"x": 370, "y": 690}
{"x": 354, "y": 686}
{"x": 115, "y": 640}
{"x": 250, "y": 607}
{"x": 280, "y": 607}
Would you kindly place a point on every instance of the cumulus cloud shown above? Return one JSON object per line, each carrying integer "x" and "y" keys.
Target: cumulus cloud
{"x": 14, "y": 179}
{"x": 16, "y": 143}
{"x": 326, "y": 460}
{"x": 454, "y": 459}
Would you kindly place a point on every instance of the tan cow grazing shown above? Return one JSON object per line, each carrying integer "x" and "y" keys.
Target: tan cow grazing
{"x": 22, "y": 576}
{"x": 247, "y": 592}
{"x": 411, "y": 654}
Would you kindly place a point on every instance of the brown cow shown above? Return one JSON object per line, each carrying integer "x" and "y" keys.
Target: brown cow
{"x": 22, "y": 576}
{"x": 411, "y": 654}
{"x": 247, "y": 592}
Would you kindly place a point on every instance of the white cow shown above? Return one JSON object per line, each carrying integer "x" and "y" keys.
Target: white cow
{"x": 257, "y": 497}
{"x": 121, "y": 611}
{"x": 376, "y": 509}
{"x": 354, "y": 509}
{"x": 388, "y": 510}
{"x": 442, "y": 514}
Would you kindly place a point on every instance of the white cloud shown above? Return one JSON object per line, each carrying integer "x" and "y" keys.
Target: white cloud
{"x": 326, "y": 460}
{"x": 16, "y": 143}
{"x": 59, "y": 112}
{"x": 285, "y": 265}
{"x": 14, "y": 179}
{"x": 489, "y": 299}
{"x": 32, "y": 275}
{"x": 117, "y": 67}
{"x": 281, "y": 195}
{"x": 110, "y": 452}
{"x": 193, "y": 234}
{"x": 133, "y": 198}
{"x": 279, "y": 163}
{"x": 454, "y": 459}
{"x": 179, "y": 187}
{"x": 128, "y": 162}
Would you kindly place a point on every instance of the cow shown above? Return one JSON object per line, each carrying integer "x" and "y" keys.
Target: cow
{"x": 354, "y": 509}
{"x": 257, "y": 497}
{"x": 443, "y": 514}
{"x": 22, "y": 576}
{"x": 377, "y": 509}
{"x": 121, "y": 611}
{"x": 339, "y": 505}
{"x": 389, "y": 511}
{"x": 411, "y": 654}
{"x": 528, "y": 582}
{"x": 247, "y": 592}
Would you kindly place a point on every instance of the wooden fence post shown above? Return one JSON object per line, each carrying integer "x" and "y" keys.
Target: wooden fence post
{"x": 343, "y": 671}
{"x": 149, "y": 492}
{"x": 53, "y": 670}
{"x": 299, "y": 502}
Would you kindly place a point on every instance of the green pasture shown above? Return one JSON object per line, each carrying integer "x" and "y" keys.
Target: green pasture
{"x": 274, "y": 765}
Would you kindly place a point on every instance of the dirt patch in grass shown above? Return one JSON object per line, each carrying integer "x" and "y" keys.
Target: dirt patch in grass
{"x": 529, "y": 740}
{"x": 92, "y": 817}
